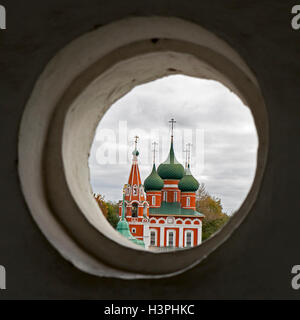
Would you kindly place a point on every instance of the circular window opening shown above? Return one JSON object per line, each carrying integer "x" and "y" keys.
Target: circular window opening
{"x": 214, "y": 142}
{"x": 74, "y": 92}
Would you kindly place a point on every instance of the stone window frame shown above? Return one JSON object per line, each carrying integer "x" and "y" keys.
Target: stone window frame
{"x": 70, "y": 218}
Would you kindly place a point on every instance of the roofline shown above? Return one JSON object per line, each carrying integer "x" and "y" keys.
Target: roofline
{"x": 175, "y": 215}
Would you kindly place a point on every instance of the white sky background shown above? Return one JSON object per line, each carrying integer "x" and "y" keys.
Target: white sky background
{"x": 208, "y": 115}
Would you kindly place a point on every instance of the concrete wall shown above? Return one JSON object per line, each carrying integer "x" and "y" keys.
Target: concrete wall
{"x": 256, "y": 261}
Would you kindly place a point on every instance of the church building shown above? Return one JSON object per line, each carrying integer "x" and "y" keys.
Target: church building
{"x": 161, "y": 213}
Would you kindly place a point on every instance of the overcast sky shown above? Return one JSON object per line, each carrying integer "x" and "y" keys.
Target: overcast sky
{"x": 216, "y": 122}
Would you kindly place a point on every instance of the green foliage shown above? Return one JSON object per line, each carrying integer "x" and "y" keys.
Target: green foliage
{"x": 212, "y": 208}
{"x": 211, "y": 227}
{"x": 109, "y": 209}
{"x": 113, "y": 213}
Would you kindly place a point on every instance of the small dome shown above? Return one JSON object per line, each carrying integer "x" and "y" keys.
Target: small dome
{"x": 188, "y": 183}
{"x": 153, "y": 181}
{"x": 135, "y": 153}
{"x": 171, "y": 168}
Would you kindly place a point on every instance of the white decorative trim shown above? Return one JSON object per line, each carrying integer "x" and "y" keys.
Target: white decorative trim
{"x": 135, "y": 222}
{"x": 165, "y": 196}
{"x": 185, "y": 221}
{"x": 189, "y": 226}
{"x": 171, "y": 186}
{"x": 162, "y": 236}
{"x": 180, "y": 244}
{"x": 146, "y": 235}
{"x": 199, "y": 240}
{"x": 170, "y": 220}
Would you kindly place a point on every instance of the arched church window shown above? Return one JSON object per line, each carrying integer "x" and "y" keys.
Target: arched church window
{"x": 134, "y": 210}
{"x": 135, "y": 190}
{"x": 175, "y": 196}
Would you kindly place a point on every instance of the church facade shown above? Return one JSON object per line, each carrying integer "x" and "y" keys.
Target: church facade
{"x": 162, "y": 211}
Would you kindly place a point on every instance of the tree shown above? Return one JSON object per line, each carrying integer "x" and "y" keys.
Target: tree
{"x": 212, "y": 208}
{"x": 109, "y": 209}
{"x": 101, "y": 203}
{"x": 113, "y": 213}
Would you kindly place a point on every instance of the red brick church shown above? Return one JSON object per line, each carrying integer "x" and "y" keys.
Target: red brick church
{"x": 162, "y": 212}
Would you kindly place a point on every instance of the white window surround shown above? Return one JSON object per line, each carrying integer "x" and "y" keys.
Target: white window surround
{"x": 171, "y": 234}
{"x": 188, "y": 233}
{"x": 133, "y": 230}
{"x": 153, "y": 237}
{"x": 175, "y": 196}
{"x": 135, "y": 190}
{"x": 145, "y": 208}
{"x": 188, "y": 201}
{"x": 164, "y": 195}
{"x": 135, "y": 210}
{"x": 153, "y": 200}
{"x": 63, "y": 132}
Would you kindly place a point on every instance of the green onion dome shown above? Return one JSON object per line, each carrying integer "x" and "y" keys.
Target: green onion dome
{"x": 171, "y": 168}
{"x": 188, "y": 183}
{"x": 153, "y": 181}
{"x": 135, "y": 153}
